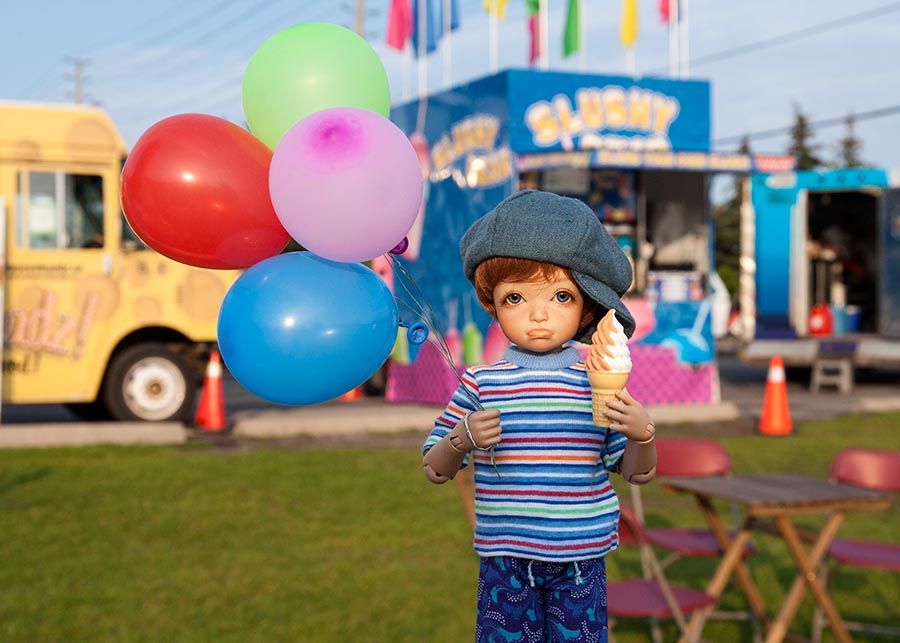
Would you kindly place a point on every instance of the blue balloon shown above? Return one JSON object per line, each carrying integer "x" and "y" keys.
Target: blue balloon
{"x": 299, "y": 329}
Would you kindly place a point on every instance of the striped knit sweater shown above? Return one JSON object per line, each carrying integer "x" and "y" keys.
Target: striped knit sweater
{"x": 553, "y": 500}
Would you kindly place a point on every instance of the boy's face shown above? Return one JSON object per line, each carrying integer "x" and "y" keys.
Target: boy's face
{"x": 539, "y": 316}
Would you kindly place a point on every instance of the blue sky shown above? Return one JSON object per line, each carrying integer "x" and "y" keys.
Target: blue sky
{"x": 146, "y": 61}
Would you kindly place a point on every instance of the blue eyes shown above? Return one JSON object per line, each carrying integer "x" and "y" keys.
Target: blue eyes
{"x": 560, "y": 297}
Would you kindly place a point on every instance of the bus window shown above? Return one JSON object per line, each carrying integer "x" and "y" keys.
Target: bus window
{"x": 58, "y": 210}
{"x": 130, "y": 240}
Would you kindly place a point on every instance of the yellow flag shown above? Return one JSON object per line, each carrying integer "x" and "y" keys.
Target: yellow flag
{"x": 496, "y": 7}
{"x": 629, "y": 23}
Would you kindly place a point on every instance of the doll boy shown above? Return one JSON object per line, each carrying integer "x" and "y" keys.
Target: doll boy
{"x": 546, "y": 514}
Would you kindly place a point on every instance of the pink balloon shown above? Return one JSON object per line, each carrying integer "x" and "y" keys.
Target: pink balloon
{"x": 346, "y": 183}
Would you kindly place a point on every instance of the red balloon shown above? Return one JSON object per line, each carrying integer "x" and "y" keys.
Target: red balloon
{"x": 196, "y": 189}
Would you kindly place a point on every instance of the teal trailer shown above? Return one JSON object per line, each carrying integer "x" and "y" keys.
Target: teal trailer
{"x": 820, "y": 268}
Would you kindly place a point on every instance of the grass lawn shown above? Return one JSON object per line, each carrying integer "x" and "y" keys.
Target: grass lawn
{"x": 200, "y": 544}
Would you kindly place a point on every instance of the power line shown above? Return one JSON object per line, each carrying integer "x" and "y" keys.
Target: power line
{"x": 173, "y": 30}
{"x": 202, "y": 39}
{"x": 825, "y": 122}
{"x": 177, "y": 68}
{"x": 790, "y": 36}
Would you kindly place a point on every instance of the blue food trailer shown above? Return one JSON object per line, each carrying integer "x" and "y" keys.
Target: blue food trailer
{"x": 820, "y": 278}
{"x": 636, "y": 150}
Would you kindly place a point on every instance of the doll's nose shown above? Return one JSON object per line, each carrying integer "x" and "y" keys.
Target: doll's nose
{"x": 538, "y": 314}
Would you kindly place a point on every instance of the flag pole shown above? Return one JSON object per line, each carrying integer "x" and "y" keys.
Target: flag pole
{"x": 674, "y": 45}
{"x": 582, "y": 36}
{"x": 405, "y": 69}
{"x": 684, "y": 55}
{"x": 544, "y": 22}
{"x": 422, "y": 26}
{"x": 493, "y": 44}
{"x": 448, "y": 48}
{"x": 628, "y": 33}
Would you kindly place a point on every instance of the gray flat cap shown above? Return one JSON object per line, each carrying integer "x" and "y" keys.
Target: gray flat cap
{"x": 550, "y": 228}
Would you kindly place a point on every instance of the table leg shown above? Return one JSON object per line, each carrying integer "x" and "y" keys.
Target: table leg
{"x": 807, "y": 564}
{"x": 715, "y": 587}
{"x": 731, "y": 562}
{"x": 740, "y": 571}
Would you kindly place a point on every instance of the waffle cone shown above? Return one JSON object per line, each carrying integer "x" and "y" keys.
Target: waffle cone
{"x": 604, "y": 385}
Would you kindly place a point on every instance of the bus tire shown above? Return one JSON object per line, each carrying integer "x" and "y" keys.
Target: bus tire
{"x": 149, "y": 383}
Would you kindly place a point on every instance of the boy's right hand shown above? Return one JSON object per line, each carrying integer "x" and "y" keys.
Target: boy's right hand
{"x": 484, "y": 427}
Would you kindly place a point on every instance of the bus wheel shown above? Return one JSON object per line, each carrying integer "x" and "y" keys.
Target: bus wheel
{"x": 151, "y": 383}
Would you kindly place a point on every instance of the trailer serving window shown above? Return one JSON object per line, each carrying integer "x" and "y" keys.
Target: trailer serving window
{"x": 842, "y": 247}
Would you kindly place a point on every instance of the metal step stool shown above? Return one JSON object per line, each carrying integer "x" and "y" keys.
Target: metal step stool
{"x": 831, "y": 372}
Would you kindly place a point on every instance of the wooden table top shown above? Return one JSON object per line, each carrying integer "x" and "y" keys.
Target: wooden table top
{"x": 768, "y": 493}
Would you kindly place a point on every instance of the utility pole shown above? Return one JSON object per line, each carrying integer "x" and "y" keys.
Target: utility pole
{"x": 360, "y": 18}
{"x": 78, "y": 79}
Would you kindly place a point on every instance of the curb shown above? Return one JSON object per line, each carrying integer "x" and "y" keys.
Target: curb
{"x": 25, "y": 436}
{"x": 877, "y": 405}
{"x": 694, "y": 413}
{"x": 344, "y": 419}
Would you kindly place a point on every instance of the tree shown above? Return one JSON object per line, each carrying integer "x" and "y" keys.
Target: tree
{"x": 728, "y": 230}
{"x": 850, "y": 146}
{"x": 801, "y": 147}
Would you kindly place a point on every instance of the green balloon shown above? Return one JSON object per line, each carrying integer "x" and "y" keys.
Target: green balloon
{"x": 307, "y": 68}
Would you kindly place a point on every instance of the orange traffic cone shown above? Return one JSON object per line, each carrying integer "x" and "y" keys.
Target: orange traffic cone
{"x": 210, "y": 414}
{"x": 776, "y": 416}
{"x": 352, "y": 395}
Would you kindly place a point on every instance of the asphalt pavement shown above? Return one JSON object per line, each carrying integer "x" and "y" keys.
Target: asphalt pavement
{"x": 742, "y": 391}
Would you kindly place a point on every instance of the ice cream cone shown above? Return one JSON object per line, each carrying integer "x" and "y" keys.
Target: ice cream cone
{"x": 604, "y": 385}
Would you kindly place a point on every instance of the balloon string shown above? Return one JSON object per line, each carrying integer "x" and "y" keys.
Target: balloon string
{"x": 426, "y": 313}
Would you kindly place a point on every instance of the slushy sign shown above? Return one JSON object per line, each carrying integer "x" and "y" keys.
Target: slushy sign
{"x": 610, "y": 117}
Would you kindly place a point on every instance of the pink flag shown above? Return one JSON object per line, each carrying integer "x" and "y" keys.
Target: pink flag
{"x": 399, "y": 27}
{"x": 534, "y": 28}
{"x": 665, "y": 14}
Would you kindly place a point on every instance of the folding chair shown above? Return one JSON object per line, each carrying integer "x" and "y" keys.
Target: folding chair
{"x": 678, "y": 458}
{"x": 651, "y": 597}
{"x": 878, "y": 470}
{"x": 681, "y": 459}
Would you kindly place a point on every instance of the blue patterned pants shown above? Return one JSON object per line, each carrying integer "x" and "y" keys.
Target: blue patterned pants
{"x": 531, "y": 601}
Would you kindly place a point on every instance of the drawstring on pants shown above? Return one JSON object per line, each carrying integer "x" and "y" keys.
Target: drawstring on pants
{"x": 577, "y": 576}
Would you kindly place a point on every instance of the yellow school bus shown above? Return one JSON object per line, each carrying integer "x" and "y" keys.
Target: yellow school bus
{"x": 94, "y": 319}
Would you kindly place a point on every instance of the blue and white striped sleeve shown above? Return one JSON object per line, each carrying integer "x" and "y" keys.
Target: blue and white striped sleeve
{"x": 613, "y": 449}
{"x": 461, "y": 403}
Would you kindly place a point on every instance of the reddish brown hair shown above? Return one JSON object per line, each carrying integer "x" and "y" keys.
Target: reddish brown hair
{"x": 491, "y": 272}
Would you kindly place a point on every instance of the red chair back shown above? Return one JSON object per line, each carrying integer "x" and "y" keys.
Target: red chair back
{"x": 630, "y": 530}
{"x": 691, "y": 458}
{"x": 870, "y": 468}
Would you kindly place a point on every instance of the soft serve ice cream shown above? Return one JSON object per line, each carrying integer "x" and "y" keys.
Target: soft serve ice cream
{"x": 608, "y": 364}
{"x": 609, "y": 347}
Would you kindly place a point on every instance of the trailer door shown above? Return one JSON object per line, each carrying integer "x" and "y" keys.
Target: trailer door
{"x": 889, "y": 318}
{"x": 798, "y": 284}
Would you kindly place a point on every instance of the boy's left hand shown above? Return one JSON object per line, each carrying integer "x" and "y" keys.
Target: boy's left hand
{"x": 628, "y": 417}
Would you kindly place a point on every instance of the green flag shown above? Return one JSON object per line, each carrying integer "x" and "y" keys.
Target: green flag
{"x": 533, "y": 6}
{"x": 572, "y": 35}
